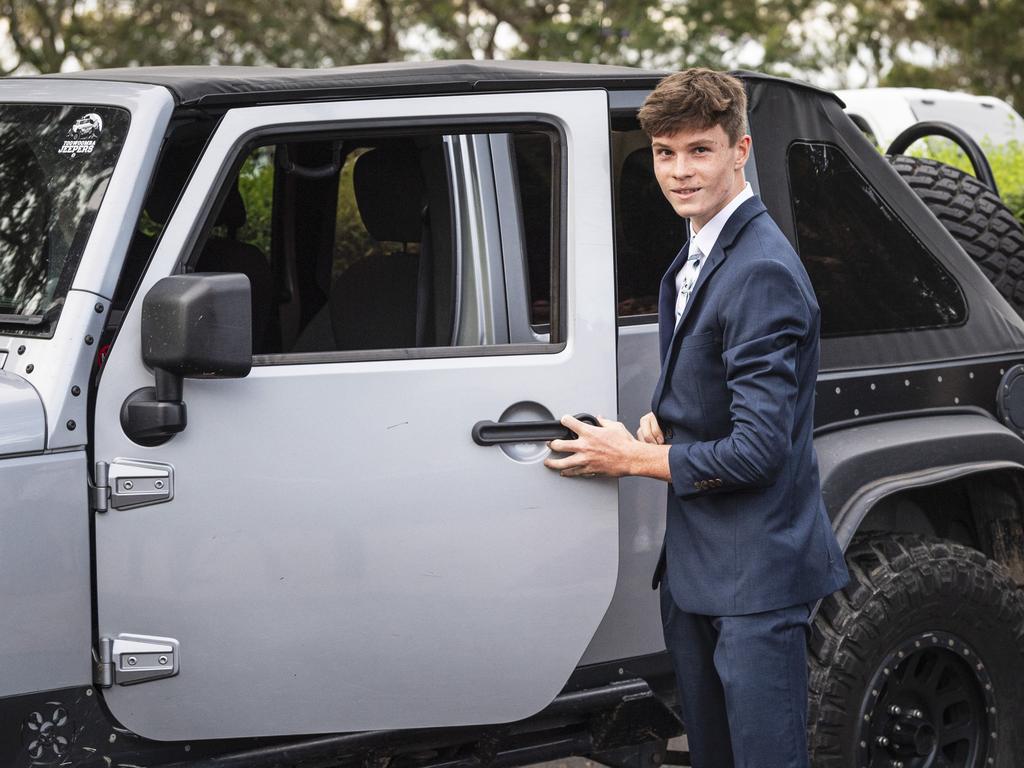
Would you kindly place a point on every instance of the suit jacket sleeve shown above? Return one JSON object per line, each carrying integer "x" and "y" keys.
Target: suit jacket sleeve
{"x": 764, "y": 322}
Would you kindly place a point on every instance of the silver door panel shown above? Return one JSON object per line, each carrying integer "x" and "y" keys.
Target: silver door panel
{"x": 339, "y": 554}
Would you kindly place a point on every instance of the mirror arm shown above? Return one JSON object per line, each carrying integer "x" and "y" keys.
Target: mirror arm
{"x": 169, "y": 386}
{"x": 153, "y": 415}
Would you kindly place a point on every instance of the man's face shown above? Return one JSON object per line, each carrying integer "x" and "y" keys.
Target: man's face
{"x": 699, "y": 172}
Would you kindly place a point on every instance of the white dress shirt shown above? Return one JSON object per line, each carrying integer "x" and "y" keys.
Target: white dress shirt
{"x": 701, "y": 245}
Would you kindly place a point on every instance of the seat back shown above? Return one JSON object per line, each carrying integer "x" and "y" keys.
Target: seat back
{"x": 376, "y": 301}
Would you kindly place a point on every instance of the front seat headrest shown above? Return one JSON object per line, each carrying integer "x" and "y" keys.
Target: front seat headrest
{"x": 390, "y": 193}
{"x": 232, "y": 212}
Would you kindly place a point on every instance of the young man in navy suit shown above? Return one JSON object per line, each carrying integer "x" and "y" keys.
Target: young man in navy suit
{"x": 748, "y": 545}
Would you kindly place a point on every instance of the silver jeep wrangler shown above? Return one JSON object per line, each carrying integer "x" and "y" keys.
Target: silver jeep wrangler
{"x": 280, "y": 351}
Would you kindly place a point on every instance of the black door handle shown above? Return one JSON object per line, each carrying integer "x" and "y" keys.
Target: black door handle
{"x": 495, "y": 433}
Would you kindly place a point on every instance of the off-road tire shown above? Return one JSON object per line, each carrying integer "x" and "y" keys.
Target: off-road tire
{"x": 918, "y": 609}
{"x": 978, "y": 220}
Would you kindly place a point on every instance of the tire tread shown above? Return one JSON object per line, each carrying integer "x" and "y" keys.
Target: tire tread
{"x": 889, "y": 575}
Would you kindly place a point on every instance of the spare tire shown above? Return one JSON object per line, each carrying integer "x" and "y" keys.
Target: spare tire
{"x": 975, "y": 216}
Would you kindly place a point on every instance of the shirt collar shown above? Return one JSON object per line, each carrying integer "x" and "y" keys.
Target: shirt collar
{"x": 705, "y": 240}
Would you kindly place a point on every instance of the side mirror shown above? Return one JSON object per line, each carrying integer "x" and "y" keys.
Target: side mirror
{"x": 196, "y": 326}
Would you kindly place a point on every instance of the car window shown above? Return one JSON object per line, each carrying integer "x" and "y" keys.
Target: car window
{"x": 870, "y": 272}
{"x": 648, "y": 232}
{"x": 377, "y": 243}
{"x": 531, "y": 155}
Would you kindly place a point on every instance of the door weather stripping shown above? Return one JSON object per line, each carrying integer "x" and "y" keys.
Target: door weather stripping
{"x": 131, "y": 659}
{"x": 130, "y": 483}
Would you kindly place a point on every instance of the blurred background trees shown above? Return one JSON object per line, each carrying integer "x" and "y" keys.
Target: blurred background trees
{"x": 975, "y": 45}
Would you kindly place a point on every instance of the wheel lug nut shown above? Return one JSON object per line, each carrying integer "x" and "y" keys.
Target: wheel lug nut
{"x": 882, "y": 741}
{"x": 916, "y": 713}
{"x": 895, "y": 711}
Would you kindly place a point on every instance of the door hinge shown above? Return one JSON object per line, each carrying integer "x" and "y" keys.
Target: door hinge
{"x": 130, "y": 659}
{"x": 130, "y": 483}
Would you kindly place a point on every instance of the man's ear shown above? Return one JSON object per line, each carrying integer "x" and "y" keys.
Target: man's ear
{"x": 742, "y": 151}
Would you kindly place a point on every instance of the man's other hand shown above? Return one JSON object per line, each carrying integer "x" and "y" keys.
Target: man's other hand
{"x": 650, "y": 430}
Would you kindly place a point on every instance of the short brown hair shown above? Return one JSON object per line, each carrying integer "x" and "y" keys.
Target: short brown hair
{"x": 696, "y": 99}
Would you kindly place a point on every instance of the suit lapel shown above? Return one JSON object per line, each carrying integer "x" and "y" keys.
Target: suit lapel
{"x": 669, "y": 331}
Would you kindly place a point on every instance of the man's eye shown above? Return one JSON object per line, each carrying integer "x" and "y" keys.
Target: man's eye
{"x": 700, "y": 150}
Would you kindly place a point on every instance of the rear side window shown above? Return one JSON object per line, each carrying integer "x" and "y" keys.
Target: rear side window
{"x": 870, "y": 272}
{"x": 648, "y": 232}
{"x": 55, "y": 162}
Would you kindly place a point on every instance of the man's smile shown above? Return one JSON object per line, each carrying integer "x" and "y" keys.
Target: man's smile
{"x": 685, "y": 192}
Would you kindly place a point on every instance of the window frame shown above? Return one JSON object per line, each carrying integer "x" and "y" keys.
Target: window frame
{"x": 492, "y": 123}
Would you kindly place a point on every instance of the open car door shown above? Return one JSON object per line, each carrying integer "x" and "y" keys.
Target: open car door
{"x": 326, "y": 547}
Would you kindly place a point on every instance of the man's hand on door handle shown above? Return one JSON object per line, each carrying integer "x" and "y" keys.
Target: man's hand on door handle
{"x": 609, "y": 450}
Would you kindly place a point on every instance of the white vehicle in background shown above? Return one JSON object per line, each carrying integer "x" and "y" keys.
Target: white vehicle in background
{"x": 884, "y": 113}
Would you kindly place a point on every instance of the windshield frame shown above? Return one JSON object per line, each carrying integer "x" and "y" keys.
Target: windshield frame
{"x": 57, "y": 182}
{"x": 101, "y": 257}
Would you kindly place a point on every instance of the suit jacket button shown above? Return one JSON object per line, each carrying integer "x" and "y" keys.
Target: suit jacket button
{"x": 703, "y": 485}
{"x": 718, "y": 482}
{"x": 697, "y": 485}
{"x": 668, "y": 433}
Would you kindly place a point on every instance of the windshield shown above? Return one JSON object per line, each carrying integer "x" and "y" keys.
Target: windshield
{"x": 55, "y": 162}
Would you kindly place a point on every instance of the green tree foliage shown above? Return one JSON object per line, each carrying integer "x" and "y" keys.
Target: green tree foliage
{"x": 42, "y": 33}
{"x": 969, "y": 45}
{"x": 46, "y": 34}
{"x": 651, "y": 33}
{"x": 975, "y": 45}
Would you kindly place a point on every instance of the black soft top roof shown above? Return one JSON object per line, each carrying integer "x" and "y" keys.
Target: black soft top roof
{"x": 211, "y": 85}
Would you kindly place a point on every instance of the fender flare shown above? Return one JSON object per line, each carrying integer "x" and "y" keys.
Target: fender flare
{"x": 860, "y": 465}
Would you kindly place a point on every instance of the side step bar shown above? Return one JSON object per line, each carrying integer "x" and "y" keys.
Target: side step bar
{"x": 606, "y": 722}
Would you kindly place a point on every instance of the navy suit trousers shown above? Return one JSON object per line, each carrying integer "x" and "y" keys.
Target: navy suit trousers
{"x": 742, "y": 684}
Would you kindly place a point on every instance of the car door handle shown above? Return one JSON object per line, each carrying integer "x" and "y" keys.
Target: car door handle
{"x": 496, "y": 433}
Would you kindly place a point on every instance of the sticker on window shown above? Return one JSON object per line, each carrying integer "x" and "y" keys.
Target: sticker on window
{"x": 82, "y": 136}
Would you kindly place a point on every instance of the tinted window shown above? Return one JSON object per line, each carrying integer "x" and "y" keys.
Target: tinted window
{"x": 55, "y": 162}
{"x": 533, "y": 166}
{"x": 870, "y": 273}
{"x": 648, "y": 232}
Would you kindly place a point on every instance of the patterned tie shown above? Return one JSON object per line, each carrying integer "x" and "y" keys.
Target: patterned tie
{"x": 688, "y": 272}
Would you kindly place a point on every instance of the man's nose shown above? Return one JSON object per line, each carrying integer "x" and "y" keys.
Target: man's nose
{"x": 680, "y": 168}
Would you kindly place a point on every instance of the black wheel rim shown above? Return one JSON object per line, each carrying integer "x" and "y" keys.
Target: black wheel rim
{"x": 930, "y": 704}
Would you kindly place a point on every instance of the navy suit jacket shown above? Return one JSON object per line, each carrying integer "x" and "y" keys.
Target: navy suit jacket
{"x": 747, "y": 529}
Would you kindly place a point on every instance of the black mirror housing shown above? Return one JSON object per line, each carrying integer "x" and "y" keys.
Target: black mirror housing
{"x": 199, "y": 326}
